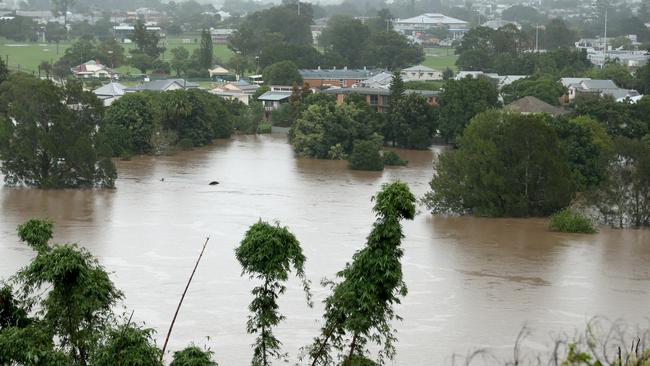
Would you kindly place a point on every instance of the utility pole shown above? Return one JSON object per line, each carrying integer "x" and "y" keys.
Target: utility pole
{"x": 605, "y": 51}
{"x": 298, "y": 7}
{"x": 537, "y": 38}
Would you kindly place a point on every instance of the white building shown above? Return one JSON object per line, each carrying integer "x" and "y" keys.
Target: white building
{"x": 428, "y": 21}
{"x": 93, "y": 69}
{"x": 420, "y": 73}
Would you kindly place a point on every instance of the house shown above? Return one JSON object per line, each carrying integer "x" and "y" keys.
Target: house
{"x": 273, "y": 99}
{"x": 420, "y": 73}
{"x": 587, "y": 86}
{"x": 163, "y": 85}
{"x": 378, "y": 98}
{"x": 239, "y": 86}
{"x": 343, "y": 78}
{"x": 533, "y": 105}
{"x": 500, "y": 80}
{"x": 498, "y": 23}
{"x": 125, "y": 31}
{"x": 218, "y": 71}
{"x": 220, "y": 35}
{"x": 424, "y": 22}
{"x": 109, "y": 93}
{"x": 242, "y": 97}
{"x": 93, "y": 69}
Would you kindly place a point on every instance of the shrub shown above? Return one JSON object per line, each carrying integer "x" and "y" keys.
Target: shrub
{"x": 185, "y": 144}
{"x": 569, "y": 221}
{"x": 392, "y": 159}
{"x": 264, "y": 128}
{"x": 366, "y": 156}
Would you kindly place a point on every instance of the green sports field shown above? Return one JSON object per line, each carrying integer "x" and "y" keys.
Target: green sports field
{"x": 440, "y": 58}
{"x": 27, "y": 56}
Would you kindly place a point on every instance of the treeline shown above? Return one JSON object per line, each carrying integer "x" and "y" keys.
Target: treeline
{"x": 508, "y": 164}
{"x": 76, "y": 323}
{"x": 56, "y": 137}
{"x": 283, "y": 33}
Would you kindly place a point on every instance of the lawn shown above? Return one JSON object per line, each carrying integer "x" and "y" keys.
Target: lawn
{"x": 440, "y": 58}
{"x": 27, "y": 55}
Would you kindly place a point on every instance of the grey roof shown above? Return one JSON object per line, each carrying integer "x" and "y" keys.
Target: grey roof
{"x": 381, "y": 80}
{"x": 110, "y": 89}
{"x": 419, "y": 68}
{"x": 338, "y": 74}
{"x": 598, "y": 84}
{"x": 162, "y": 85}
{"x": 619, "y": 93}
{"x": 532, "y": 104}
{"x": 567, "y": 82}
{"x": 274, "y": 96}
{"x": 245, "y": 85}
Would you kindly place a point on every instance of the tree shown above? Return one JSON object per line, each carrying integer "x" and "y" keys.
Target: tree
{"x": 44, "y": 142}
{"x": 543, "y": 87}
{"x": 129, "y": 123}
{"x": 461, "y": 100}
{"x": 347, "y": 37}
{"x": 111, "y": 53}
{"x": 77, "y": 309}
{"x": 415, "y": 121}
{"x": 556, "y": 34}
{"x": 282, "y": 73}
{"x": 268, "y": 253}
{"x": 180, "y": 57}
{"x": 392, "y": 51}
{"x": 46, "y": 67}
{"x": 505, "y": 165}
{"x": 624, "y": 199}
{"x": 359, "y": 309}
{"x": 146, "y": 41}
{"x": 193, "y": 356}
{"x": 206, "y": 52}
{"x": 62, "y": 7}
{"x": 397, "y": 90}
{"x": 127, "y": 345}
{"x": 366, "y": 154}
{"x": 142, "y": 62}
{"x": 4, "y": 71}
{"x": 523, "y": 14}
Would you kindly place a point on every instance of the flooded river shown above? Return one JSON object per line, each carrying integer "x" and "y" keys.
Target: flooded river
{"x": 472, "y": 282}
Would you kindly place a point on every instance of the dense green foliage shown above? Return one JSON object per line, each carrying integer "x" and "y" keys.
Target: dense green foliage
{"x": 268, "y": 253}
{"x": 46, "y": 143}
{"x": 359, "y": 311}
{"x": 366, "y": 154}
{"x": 570, "y": 221}
{"x": 128, "y": 345}
{"x": 282, "y": 73}
{"x": 193, "y": 356}
{"x": 391, "y": 158}
{"x": 505, "y": 165}
{"x": 414, "y": 120}
{"x": 543, "y": 87}
{"x": 460, "y": 101}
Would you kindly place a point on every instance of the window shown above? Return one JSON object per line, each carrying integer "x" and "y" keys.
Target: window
{"x": 374, "y": 99}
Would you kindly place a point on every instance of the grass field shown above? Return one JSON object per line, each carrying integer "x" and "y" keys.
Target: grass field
{"x": 27, "y": 56}
{"x": 440, "y": 58}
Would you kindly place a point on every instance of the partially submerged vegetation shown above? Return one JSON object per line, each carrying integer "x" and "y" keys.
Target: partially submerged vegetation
{"x": 570, "y": 221}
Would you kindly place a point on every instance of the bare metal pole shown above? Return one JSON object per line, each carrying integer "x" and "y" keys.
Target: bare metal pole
{"x": 171, "y": 326}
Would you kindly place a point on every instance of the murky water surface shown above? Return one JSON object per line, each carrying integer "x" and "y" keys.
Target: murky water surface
{"x": 472, "y": 282}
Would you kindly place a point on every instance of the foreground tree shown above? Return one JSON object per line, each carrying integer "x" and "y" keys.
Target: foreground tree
{"x": 366, "y": 154}
{"x": 268, "y": 253}
{"x": 48, "y": 135}
{"x": 505, "y": 165}
{"x": 414, "y": 122}
{"x": 359, "y": 311}
{"x": 193, "y": 356}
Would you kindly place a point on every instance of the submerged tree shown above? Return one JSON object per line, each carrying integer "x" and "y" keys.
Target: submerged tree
{"x": 268, "y": 253}
{"x": 360, "y": 308}
{"x": 193, "y": 356}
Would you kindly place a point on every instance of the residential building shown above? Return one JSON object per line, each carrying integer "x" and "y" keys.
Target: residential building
{"x": 218, "y": 70}
{"x": 381, "y": 80}
{"x": 420, "y": 73}
{"x": 342, "y": 78}
{"x": 109, "y": 93}
{"x": 163, "y": 85}
{"x": 379, "y": 98}
{"x": 239, "y": 86}
{"x": 274, "y": 98}
{"x": 220, "y": 35}
{"x": 125, "y": 31}
{"x": 586, "y": 86}
{"x": 230, "y": 95}
{"x": 500, "y": 80}
{"x": 93, "y": 69}
{"x": 424, "y": 22}
{"x": 533, "y": 105}
{"x": 498, "y": 23}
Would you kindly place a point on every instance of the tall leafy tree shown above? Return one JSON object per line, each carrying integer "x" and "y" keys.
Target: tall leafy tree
{"x": 206, "y": 52}
{"x": 415, "y": 122}
{"x": 268, "y": 253}
{"x": 193, "y": 356}
{"x": 62, "y": 7}
{"x": 347, "y": 37}
{"x": 505, "y": 165}
{"x": 129, "y": 124}
{"x": 282, "y": 73}
{"x": 146, "y": 41}
{"x": 359, "y": 311}
{"x": 397, "y": 90}
{"x": 461, "y": 100}
{"x": 44, "y": 142}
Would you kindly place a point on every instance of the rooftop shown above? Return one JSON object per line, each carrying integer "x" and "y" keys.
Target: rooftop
{"x": 274, "y": 96}
{"x": 162, "y": 85}
{"x": 337, "y": 74}
{"x": 532, "y": 104}
{"x": 432, "y": 19}
{"x": 110, "y": 89}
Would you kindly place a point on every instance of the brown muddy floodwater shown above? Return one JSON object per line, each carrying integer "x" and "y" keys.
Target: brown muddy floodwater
{"x": 472, "y": 282}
